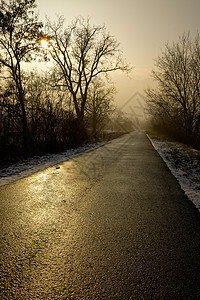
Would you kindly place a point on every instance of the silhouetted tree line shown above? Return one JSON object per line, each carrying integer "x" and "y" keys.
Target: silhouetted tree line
{"x": 175, "y": 103}
{"x": 61, "y": 108}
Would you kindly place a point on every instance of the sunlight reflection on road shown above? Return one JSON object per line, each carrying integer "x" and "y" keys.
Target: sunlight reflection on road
{"x": 53, "y": 192}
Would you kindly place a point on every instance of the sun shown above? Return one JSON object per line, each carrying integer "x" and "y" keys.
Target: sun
{"x": 44, "y": 44}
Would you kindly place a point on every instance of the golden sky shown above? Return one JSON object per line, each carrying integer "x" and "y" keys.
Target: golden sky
{"x": 141, "y": 26}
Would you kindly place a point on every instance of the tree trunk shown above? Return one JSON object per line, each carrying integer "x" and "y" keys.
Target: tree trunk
{"x": 24, "y": 121}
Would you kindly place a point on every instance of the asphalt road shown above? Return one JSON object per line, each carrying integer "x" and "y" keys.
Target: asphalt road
{"x": 109, "y": 224}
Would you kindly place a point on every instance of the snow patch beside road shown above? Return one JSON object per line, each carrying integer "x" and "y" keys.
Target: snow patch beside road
{"x": 184, "y": 164}
{"x": 39, "y": 163}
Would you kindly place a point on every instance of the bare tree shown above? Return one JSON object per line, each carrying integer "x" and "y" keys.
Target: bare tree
{"x": 177, "y": 97}
{"x": 82, "y": 52}
{"x": 10, "y": 114}
{"x": 46, "y": 108}
{"x": 19, "y": 32}
{"x": 99, "y": 105}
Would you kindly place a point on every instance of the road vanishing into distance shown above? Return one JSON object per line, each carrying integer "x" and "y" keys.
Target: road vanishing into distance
{"x": 110, "y": 224}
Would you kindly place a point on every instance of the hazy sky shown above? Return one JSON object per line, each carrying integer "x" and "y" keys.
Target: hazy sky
{"x": 141, "y": 26}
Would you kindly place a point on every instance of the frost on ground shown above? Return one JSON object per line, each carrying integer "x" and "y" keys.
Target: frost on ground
{"x": 39, "y": 163}
{"x": 184, "y": 164}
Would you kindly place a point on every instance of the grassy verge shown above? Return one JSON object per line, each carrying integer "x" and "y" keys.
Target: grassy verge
{"x": 184, "y": 163}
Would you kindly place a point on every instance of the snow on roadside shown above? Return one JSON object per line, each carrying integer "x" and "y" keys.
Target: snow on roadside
{"x": 184, "y": 164}
{"x": 39, "y": 163}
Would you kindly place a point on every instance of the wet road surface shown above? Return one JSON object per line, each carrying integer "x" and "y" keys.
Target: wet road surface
{"x": 109, "y": 224}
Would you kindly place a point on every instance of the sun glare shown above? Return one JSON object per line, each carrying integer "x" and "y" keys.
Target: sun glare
{"x": 44, "y": 44}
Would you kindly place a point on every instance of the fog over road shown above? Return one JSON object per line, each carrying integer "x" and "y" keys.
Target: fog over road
{"x": 110, "y": 224}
